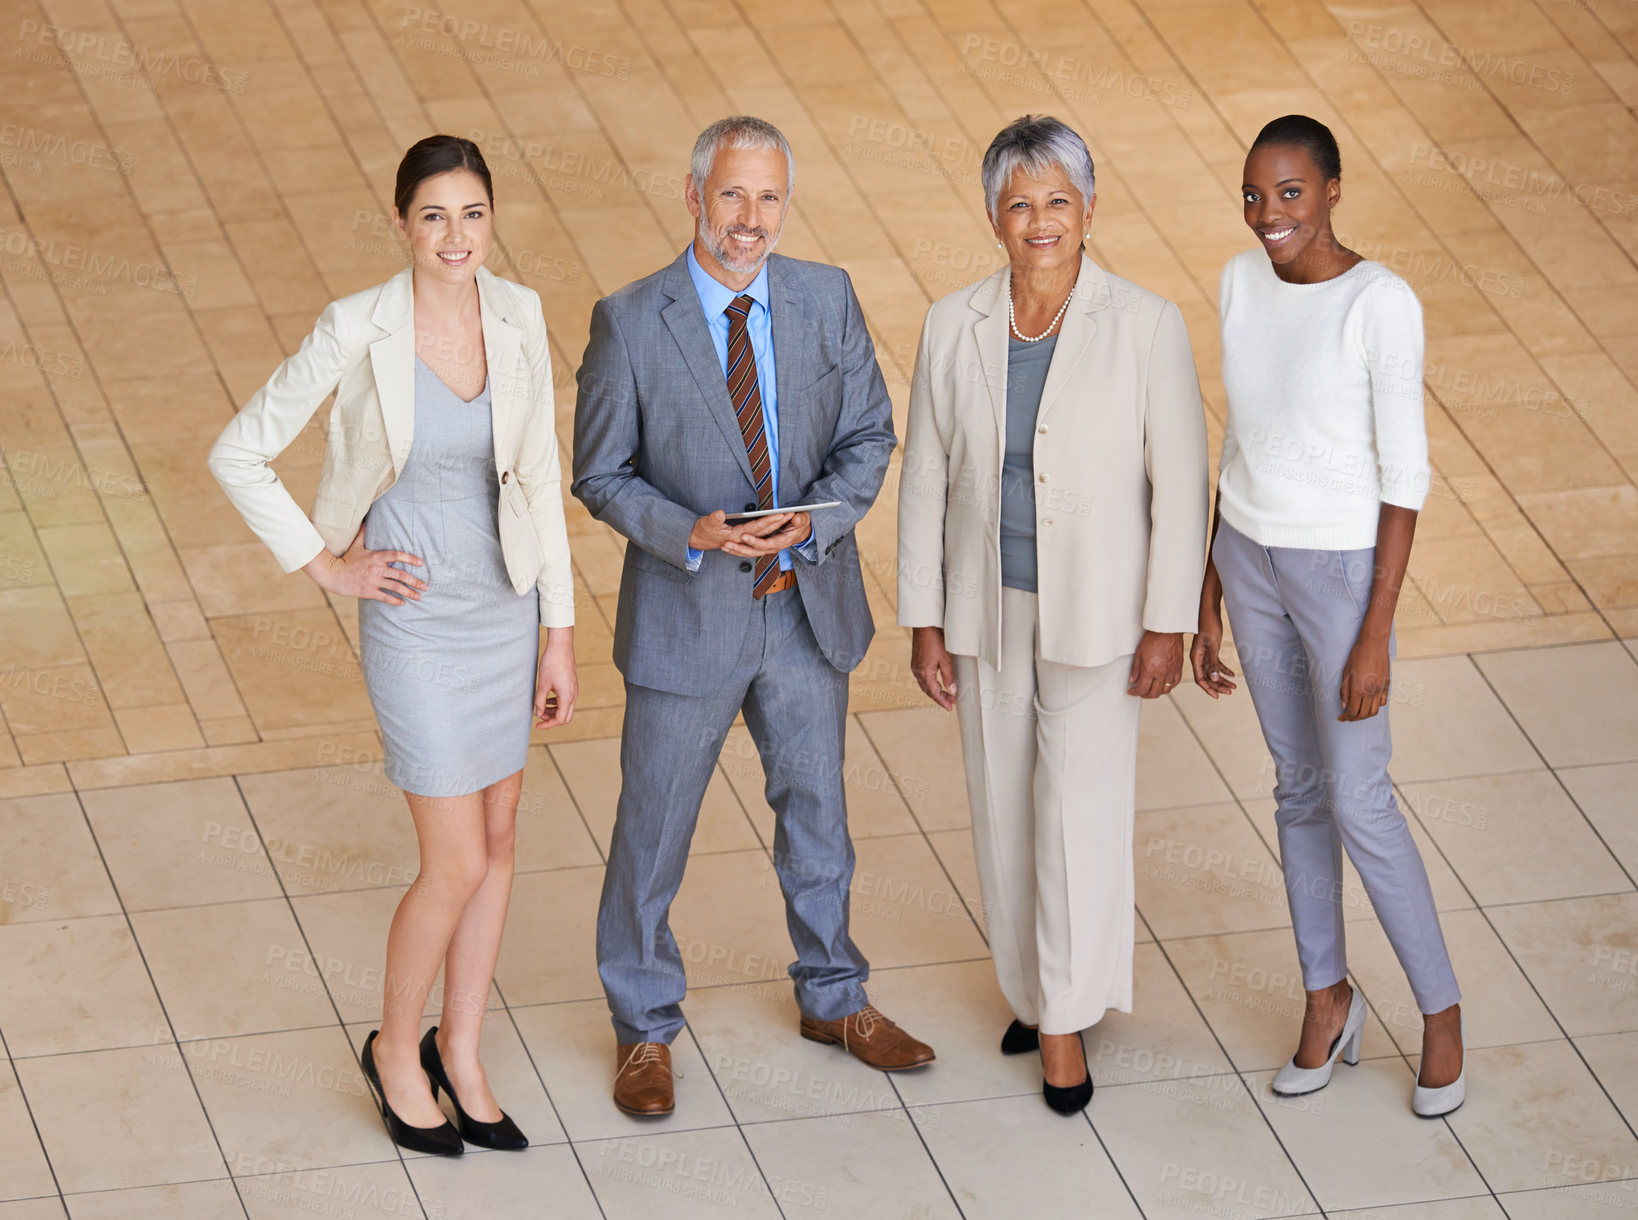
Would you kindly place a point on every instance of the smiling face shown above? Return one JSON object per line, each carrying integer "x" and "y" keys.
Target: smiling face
{"x": 448, "y": 226}
{"x": 739, "y": 210}
{"x": 1288, "y": 203}
{"x": 1041, "y": 220}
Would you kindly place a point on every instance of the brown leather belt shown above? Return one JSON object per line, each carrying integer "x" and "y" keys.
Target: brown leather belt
{"x": 785, "y": 580}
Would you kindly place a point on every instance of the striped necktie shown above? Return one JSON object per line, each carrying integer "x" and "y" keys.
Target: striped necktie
{"x": 747, "y": 397}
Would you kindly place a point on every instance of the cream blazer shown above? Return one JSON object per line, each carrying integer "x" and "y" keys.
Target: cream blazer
{"x": 1120, "y": 474}
{"x": 363, "y": 348}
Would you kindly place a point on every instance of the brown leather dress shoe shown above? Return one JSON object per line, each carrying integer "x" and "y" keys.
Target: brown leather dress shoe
{"x": 642, "y": 1078}
{"x": 871, "y": 1038}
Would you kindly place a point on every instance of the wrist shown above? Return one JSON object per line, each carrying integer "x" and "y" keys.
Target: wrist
{"x": 560, "y": 639}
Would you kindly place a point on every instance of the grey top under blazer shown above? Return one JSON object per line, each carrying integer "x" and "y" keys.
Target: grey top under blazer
{"x": 657, "y": 445}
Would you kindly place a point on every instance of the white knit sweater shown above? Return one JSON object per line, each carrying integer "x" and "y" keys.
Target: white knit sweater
{"x": 1324, "y": 389}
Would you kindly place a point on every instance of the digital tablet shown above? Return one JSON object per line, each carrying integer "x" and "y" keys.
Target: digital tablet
{"x": 794, "y": 508}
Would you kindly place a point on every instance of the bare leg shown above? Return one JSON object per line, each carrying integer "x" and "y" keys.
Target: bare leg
{"x": 1441, "y": 1048}
{"x": 450, "y": 831}
{"x": 469, "y": 966}
{"x": 1322, "y": 1020}
{"x": 1062, "y": 1060}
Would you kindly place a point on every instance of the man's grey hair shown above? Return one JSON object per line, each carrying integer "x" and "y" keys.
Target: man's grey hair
{"x": 739, "y": 131}
{"x": 1035, "y": 143}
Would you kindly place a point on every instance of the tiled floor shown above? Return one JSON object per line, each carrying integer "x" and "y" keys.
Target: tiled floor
{"x": 198, "y": 853}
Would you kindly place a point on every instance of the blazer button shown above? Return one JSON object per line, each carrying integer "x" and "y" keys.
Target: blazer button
{"x": 1042, "y": 429}
{"x": 750, "y": 508}
{"x": 745, "y": 566}
{"x": 505, "y": 474}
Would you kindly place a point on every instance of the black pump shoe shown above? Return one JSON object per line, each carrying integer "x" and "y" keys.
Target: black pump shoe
{"x": 442, "y": 1140}
{"x": 503, "y": 1134}
{"x": 1020, "y": 1039}
{"x": 1071, "y": 1099}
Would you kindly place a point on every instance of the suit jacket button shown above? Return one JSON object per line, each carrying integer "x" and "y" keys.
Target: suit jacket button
{"x": 505, "y": 474}
{"x": 745, "y": 566}
{"x": 750, "y": 508}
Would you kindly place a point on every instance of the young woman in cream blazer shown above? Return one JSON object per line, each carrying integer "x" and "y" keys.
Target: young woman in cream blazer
{"x": 439, "y": 508}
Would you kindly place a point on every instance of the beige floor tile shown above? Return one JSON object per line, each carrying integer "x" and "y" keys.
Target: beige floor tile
{"x": 924, "y": 746}
{"x": 47, "y": 1208}
{"x": 1582, "y": 955}
{"x": 954, "y": 849}
{"x": 183, "y": 1201}
{"x": 572, "y": 1046}
{"x": 765, "y": 1070}
{"x": 1184, "y": 1148}
{"x": 54, "y": 702}
{"x": 180, "y": 844}
{"x": 729, "y": 920}
{"x": 512, "y": 1076}
{"x": 125, "y": 649}
{"x": 51, "y": 868}
{"x": 549, "y": 951}
{"x": 296, "y": 1098}
{"x": 1614, "y": 1060}
{"x": 334, "y": 828}
{"x": 1535, "y": 1117}
{"x": 1013, "y": 1156}
{"x": 875, "y": 1165}
{"x": 904, "y": 909}
{"x": 1579, "y": 703}
{"x": 293, "y": 667}
{"x": 150, "y": 729}
{"x": 382, "y": 1190}
{"x": 1604, "y": 794}
{"x": 687, "y": 1174}
{"x": 551, "y": 833}
{"x": 1447, "y": 722}
{"x": 243, "y": 578}
{"x": 1499, "y": 1007}
{"x": 1249, "y": 987}
{"x": 1611, "y": 1201}
{"x": 121, "y": 1118}
{"x": 85, "y": 559}
{"x": 1515, "y": 838}
{"x": 76, "y": 985}
{"x": 1393, "y": 1156}
{"x": 1204, "y": 869}
{"x": 24, "y": 1170}
{"x": 509, "y": 1185}
{"x": 222, "y": 970}
{"x": 1474, "y": 1207}
{"x": 1232, "y": 736}
{"x": 1588, "y": 521}
{"x": 1173, "y": 770}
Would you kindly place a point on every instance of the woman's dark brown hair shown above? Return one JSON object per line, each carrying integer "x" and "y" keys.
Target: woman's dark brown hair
{"x": 437, "y": 155}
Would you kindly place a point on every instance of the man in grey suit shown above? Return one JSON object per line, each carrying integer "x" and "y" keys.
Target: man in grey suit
{"x": 732, "y": 381}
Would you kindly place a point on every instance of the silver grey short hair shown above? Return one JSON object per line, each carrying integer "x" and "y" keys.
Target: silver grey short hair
{"x": 739, "y": 131}
{"x": 1035, "y": 143}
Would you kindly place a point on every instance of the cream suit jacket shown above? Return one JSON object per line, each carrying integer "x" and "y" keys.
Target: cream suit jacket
{"x": 1120, "y": 474}
{"x": 363, "y": 348}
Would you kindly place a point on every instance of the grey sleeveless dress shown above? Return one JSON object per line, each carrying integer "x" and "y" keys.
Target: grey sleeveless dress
{"x": 452, "y": 676}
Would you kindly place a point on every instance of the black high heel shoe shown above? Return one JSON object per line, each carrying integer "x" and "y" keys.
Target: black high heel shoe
{"x": 1073, "y": 1098}
{"x": 503, "y": 1134}
{"x": 442, "y": 1140}
{"x": 1020, "y": 1039}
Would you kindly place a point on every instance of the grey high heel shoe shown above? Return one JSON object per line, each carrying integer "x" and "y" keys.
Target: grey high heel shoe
{"x": 1293, "y": 1081}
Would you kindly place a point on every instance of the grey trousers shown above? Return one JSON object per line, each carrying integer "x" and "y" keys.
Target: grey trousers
{"x": 1296, "y": 615}
{"x": 795, "y": 705}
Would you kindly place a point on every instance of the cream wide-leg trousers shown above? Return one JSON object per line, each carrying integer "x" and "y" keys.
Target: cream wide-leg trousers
{"x": 1050, "y": 753}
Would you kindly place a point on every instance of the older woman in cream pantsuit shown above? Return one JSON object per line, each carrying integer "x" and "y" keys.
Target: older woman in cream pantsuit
{"x": 1052, "y": 527}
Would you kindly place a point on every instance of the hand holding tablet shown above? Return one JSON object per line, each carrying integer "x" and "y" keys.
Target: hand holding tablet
{"x": 794, "y": 508}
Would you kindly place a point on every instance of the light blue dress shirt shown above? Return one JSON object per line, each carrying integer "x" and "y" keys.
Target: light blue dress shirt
{"x": 715, "y": 297}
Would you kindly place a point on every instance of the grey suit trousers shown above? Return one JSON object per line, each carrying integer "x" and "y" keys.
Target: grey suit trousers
{"x": 795, "y": 705}
{"x": 1296, "y": 615}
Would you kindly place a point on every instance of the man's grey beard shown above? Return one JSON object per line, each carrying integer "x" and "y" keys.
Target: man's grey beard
{"x": 733, "y": 259}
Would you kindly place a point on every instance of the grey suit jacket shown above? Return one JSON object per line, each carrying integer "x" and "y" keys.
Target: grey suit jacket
{"x": 656, "y": 446}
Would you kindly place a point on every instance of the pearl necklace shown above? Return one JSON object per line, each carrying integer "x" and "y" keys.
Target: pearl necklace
{"x": 1012, "y": 319}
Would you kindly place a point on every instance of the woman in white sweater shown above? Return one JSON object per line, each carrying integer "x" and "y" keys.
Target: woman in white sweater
{"x": 1323, "y": 471}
